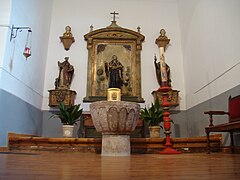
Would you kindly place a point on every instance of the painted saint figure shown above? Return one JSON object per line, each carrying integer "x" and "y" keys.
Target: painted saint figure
{"x": 114, "y": 72}
{"x": 160, "y": 74}
{"x": 66, "y": 71}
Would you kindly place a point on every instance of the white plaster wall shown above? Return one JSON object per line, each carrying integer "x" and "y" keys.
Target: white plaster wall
{"x": 20, "y": 77}
{"x": 5, "y": 8}
{"x": 211, "y": 47}
{"x": 150, "y": 15}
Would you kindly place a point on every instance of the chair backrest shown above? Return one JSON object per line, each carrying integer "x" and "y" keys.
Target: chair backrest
{"x": 234, "y": 108}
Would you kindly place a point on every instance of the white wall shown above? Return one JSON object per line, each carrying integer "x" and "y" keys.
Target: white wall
{"x": 211, "y": 46}
{"x": 20, "y": 77}
{"x": 151, "y": 16}
{"x": 5, "y": 8}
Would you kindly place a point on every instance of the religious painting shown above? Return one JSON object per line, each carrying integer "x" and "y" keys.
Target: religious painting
{"x": 122, "y": 54}
{"x": 114, "y": 62}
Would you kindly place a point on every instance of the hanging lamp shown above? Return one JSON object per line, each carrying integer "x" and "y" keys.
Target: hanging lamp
{"x": 27, "y": 49}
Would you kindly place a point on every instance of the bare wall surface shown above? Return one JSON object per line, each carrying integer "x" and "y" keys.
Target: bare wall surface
{"x": 18, "y": 116}
{"x": 210, "y": 46}
{"x": 5, "y": 6}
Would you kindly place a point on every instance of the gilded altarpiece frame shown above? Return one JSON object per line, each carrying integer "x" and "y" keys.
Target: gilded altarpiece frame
{"x": 102, "y": 45}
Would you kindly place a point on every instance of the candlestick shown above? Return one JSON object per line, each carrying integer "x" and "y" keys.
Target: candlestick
{"x": 162, "y": 41}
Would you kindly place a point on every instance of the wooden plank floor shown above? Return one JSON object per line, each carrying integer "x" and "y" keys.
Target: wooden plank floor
{"x": 78, "y": 165}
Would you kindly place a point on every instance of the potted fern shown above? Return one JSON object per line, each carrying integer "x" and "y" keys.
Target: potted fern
{"x": 153, "y": 116}
{"x": 69, "y": 115}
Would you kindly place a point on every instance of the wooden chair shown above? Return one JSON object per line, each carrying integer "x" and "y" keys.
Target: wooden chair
{"x": 233, "y": 124}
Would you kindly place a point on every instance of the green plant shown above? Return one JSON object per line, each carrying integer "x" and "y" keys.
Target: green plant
{"x": 69, "y": 115}
{"x": 153, "y": 116}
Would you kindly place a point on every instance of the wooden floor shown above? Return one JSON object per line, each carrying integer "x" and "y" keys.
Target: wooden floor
{"x": 78, "y": 165}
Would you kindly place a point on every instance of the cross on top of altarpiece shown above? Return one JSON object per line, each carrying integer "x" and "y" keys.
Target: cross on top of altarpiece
{"x": 114, "y": 15}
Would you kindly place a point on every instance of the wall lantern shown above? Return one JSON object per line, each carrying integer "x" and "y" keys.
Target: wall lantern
{"x": 27, "y": 49}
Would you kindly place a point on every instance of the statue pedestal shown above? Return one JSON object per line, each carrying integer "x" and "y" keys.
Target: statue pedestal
{"x": 172, "y": 97}
{"x": 115, "y": 120}
{"x": 57, "y": 96}
{"x": 67, "y": 42}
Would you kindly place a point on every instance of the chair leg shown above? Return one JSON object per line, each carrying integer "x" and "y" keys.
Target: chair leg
{"x": 208, "y": 143}
{"x": 232, "y": 142}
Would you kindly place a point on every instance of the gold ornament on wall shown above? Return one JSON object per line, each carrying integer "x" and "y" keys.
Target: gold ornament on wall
{"x": 67, "y": 39}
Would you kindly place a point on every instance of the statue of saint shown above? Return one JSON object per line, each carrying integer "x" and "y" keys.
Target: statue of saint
{"x": 163, "y": 34}
{"x": 114, "y": 72}
{"x": 68, "y": 32}
{"x": 66, "y": 71}
{"x": 161, "y": 74}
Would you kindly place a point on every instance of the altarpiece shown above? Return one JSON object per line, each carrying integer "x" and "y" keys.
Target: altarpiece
{"x": 109, "y": 47}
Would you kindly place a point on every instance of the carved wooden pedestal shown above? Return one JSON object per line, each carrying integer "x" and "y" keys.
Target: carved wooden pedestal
{"x": 172, "y": 97}
{"x": 57, "y": 96}
{"x": 67, "y": 42}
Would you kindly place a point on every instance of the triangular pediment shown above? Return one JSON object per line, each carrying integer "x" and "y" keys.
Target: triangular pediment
{"x": 114, "y": 33}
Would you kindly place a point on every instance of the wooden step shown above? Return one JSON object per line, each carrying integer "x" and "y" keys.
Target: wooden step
{"x": 138, "y": 145}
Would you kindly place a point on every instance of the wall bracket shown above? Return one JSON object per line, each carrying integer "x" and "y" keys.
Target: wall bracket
{"x": 14, "y": 31}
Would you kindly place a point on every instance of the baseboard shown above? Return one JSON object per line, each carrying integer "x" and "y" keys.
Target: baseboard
{"x": 227, "y": 149}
